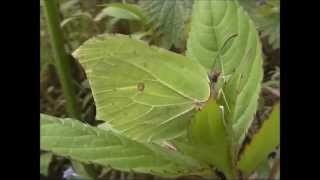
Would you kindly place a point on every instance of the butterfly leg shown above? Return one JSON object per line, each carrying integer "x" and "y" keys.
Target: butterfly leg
{"x": 223, "y": 118}
{"x": 220, "y": 92}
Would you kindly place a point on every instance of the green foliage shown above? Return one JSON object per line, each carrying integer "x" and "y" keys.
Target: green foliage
{"x": 249, "y": 5}
{"x": 220, "y": 31}
{"x": 161, "y": 113}
{"x": 223, "y": 38}
{"x": 142, "y": 91}
{"x": 78, "y": 22}
{"x": 71, "y": 138}
{"x": 268, "y": 18}
{"x": 208, "y": 133}
{"x": 122, "y": 11}
{"x": 264, "y": 142}
{"x": 242, "y": 92}
{"x": 168, "y": 17}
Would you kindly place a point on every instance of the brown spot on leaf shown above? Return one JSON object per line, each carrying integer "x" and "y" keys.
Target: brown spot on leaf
{"x": 140, "y": 86}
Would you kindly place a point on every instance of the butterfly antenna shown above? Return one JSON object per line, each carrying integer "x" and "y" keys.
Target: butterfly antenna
{"x": 223, "y": 119}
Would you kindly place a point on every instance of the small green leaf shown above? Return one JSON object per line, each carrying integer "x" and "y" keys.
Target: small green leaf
{"x": 45, "y": 160}
{"x": 267, "y": 19}
{"x": 81, "y": 142}
{"x": 209, "y": 135}
{"x": 75, "y": 16}
{"x": 147, "y": 93}
{"x": 122, "y": 11}
{"x": 212, "y": 23}
{"x": 264, "y": 142}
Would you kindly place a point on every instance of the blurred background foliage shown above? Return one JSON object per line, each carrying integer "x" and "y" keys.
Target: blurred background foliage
{"x": 162, "y": 23}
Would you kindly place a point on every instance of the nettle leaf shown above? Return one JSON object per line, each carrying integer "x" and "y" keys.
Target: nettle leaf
{"x": 268, "y": 22}
{"x": 147, "y": 93}
{"x": 78, "y": 141}
{"x": 169, "y": 18}
{"x": 224, "y": 38}
{"x": 263, "y": 143}
{"x": 209, "y": 139}
{"x": 266, "y": 15}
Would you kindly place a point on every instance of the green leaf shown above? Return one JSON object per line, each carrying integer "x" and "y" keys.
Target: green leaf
{"x": 45, "y": 160}
{"x": 147, "y": 93}
{"x": 169, "y": 18}
{"x": 75, "y": 16}
{"x": 264, "y": 142}
{"x": 122, "y": 11}
{"x": 78, "y": 141}
{"x": 208, "y": 133}
{"x": 217, "y": 26}
{"x": 223, "y": 38}
{"x": 270, "y": 27}
{"x": 267, "y": 19}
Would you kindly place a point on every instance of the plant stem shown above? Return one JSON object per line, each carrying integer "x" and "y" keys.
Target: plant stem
{"x": 62, "y": 61}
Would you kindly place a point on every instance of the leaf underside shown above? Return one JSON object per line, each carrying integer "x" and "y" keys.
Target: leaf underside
{"x": 224, "y": 38}
{"x": 267, "y": 19}
{"x": 145, "y": 92}
{"x": 263, "y": 143}
{"x": 78, "y": 141}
